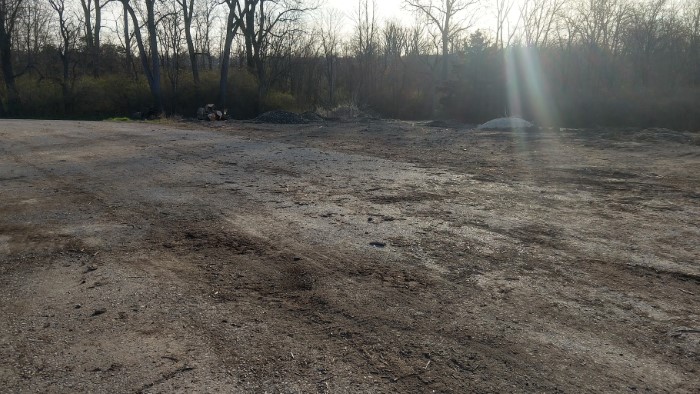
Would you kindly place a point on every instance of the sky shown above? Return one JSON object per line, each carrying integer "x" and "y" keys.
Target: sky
{"x": 386, "y": 9}
{"x": 395, "y": 10}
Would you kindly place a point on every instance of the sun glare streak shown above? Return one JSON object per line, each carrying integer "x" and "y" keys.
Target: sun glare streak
{"x": 529, "y": 97}
{"x": 512, "y": 85}
{"x": 526, "y": 87}
{"x": 537, "y": 88}
{"x": 514, "y": 95}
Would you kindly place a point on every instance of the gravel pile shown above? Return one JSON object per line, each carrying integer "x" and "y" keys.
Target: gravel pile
{"x": 281, "y": 117}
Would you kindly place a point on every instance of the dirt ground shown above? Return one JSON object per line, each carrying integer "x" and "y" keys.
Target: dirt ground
{"x": 374, "y": 256}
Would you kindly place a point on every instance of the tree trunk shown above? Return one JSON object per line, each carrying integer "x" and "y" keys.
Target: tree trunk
{"x": 445, "y": 57}
{"x": 155, "y": 58}
{"x": 65, "y": 90}
{"x": 231, "y": 27}
{"x": 331, "y": 80}
{"x": 129, "y": 62}
{"x": 96, "y": 39}
{"x": 152, "y": 71}
{"x": 92, "y": 33}
{"x": 188, "y": 12}
{"x": 249, "y": 34}
{"x": 14, "y": 103}
{"x": 88, "y": 24}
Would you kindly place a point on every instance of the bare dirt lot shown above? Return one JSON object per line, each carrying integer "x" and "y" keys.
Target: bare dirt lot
{"x": 375, "y": 256}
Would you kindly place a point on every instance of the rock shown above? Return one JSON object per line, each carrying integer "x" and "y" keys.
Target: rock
{"x": 209, "y": 112}
{"x": 98, "y": 312}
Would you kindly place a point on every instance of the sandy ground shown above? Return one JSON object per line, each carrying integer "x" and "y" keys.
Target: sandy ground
{"x": 375, "y": 256}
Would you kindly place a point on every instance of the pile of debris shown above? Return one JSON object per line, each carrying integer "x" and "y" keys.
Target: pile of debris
{"x": 147, "y": 114}
{"x": 281, "y": 117}
{"x": 209, "y": 112}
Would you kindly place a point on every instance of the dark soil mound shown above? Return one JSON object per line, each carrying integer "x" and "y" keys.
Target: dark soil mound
{"x": 281, "y": 117}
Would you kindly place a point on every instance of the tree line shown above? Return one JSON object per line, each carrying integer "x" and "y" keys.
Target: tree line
{"x": 564, "y": 62}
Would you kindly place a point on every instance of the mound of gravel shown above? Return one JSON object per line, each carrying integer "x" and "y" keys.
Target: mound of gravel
{"x": 506, "y": 124}
{"x": 281, "y": 117}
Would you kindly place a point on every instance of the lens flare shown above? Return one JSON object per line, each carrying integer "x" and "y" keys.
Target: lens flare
{"x": 526, "y": 87}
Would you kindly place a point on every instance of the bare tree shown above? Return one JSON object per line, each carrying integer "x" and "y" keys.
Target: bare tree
{"x": 187, "y": 9}
{"x": 261, "y": 22}
{"x": 416, "y": 43}
{"x": 651, "y": 31}
{"x": 31, "y": 35}
{"x": 691, "y": 12}
{"x": 539, "y": 18}
{"x": 261, "y": 17}
{"x": 170, "y": 39}
{"x": 68, "y": 31}
{"x": 9, "y": 13}
{"x": 366, "y": 29}
{"x": 306, "y": 63}
{"x": 449, "y": 17}
{"x": 503, "y": 12}
{"x": 234, "y": 20}
{"x": 93, "y": 30}
{"x": 128, "y": 60}
{"x": 205, "y": 16}
{"x": 365, "y": 46}
{"x": 268, "y": 22}
{"x": 330, "y": 27}
{"x": 394, "y": 44}
{"x": 600, "y": 23}
{"x": 394, "y": 38}
{"x": 152, "y": 70}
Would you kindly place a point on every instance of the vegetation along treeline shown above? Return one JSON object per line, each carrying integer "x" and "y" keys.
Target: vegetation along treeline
{"x": 563, "y": 62}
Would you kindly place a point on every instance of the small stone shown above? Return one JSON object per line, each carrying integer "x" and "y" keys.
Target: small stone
{"x": 99, "y": 311}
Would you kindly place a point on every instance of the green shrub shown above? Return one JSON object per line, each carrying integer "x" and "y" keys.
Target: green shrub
{"x": 279, "y": 101}
{"x": 40, "y": 99}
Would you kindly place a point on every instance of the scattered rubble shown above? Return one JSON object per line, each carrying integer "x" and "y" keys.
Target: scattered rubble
{"x": 209, "y": 112}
